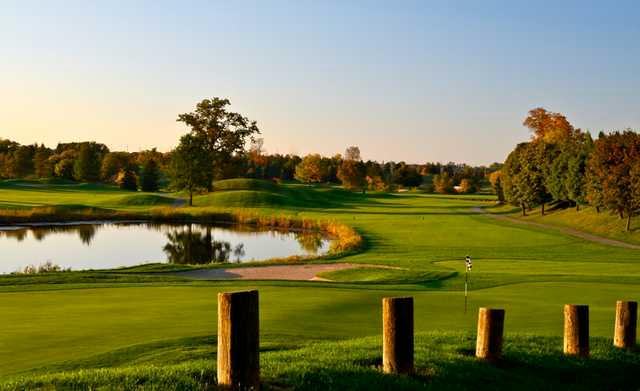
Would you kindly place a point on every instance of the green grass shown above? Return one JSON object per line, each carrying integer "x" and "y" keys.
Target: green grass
{"x": 586, "y": 219}
{"x": 443, "y": 361}
{"x": 143, "y": 324}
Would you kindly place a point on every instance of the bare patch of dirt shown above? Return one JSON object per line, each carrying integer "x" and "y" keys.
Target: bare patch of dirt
{"x": 305, "y": 272}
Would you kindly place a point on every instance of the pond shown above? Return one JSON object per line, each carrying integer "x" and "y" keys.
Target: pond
{"x": 106, "y": 245}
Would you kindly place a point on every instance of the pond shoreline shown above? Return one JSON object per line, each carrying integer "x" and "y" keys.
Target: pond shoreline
{"x": 109, "y": 245}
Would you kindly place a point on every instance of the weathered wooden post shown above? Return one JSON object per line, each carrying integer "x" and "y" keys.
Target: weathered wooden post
{"x": 490, "y": 333}
{"x": 238, "y": 340}
{"x": 576, "y": 330}
{"x": 397, "y": 335}
{"x": 626, "y": 321}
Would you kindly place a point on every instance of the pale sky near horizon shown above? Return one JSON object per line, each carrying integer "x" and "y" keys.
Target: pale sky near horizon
{"x": 414, "y": 81}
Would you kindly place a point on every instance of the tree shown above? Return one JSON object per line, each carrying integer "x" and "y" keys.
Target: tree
{"x": 311, "y": 169}
{"x": 87, "y": 165}
{"x": 149, "y": 176}
{"x": 223, "y": 133}
{"x": 352, "y": 153}
{"x": 576, "y": 178}
{"x": 63, "y": 164}
{"x": 42, "y": 165}
{"x": 443, "y": 183}
{"x": 190, "y": 165}
{"x": 113, "y": 163}
{"x": 610, "y": 168}
{"x": 22, "y": 162}
{"x": 352, "y": 172}
{"x": 495, "y": 178}
{"x": 523, "y": 176}
{"x": 467, "y": 187}
{"x": 127, "y": 180}
{"x": 548, "y": 126}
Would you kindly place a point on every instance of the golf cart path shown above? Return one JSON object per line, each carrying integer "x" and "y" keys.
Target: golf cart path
{"x": 306, "y": 272}
{"x": 565, "y": 230}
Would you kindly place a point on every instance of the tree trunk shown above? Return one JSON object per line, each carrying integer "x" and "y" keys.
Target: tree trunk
{"x": 190, "y": 197}
{"x": 524, "y": 210}
{"x": 628, "y": 222}
{"x": 597, "y": 209}
{"x": 577, "y": 207}
{"x": 543, "y": 208}
{"x": 621, "y": 214}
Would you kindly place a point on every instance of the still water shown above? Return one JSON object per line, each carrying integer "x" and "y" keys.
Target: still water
{"x": 106, "y": 245}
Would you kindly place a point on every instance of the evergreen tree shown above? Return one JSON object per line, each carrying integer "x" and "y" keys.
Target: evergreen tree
{"x": 149, "y": 176}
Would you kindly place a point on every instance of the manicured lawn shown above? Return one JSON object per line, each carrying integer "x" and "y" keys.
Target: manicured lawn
{"x": 87, "y": 321}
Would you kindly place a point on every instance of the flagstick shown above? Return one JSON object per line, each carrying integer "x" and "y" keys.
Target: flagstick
{"x": 466, "y": 279}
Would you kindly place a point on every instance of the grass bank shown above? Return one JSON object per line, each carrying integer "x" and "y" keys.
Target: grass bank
{"x": 443, "y": 361}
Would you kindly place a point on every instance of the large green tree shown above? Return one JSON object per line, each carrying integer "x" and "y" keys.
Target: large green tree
{"x": 576, "y": 178}
{"x": 87, "y": 165}
{"x": 223, "y": 132}
{"x": 523, "y": 176}
{"x": 190, "y": 165}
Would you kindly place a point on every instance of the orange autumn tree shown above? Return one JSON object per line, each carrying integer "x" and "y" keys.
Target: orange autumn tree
{"x": 613, "y": 173}
{"x": 550, "y": 127}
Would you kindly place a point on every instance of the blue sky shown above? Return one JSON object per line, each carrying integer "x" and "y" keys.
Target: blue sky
{"x": 414, "y": 81}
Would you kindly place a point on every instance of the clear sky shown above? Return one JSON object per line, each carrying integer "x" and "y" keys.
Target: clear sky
{"x": 414, "y": 81}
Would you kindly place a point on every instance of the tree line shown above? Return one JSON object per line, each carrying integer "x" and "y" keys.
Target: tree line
{"x": 566, "y": 166}
{"x": 84, "y": 162}
{"x": 224, "y": 144}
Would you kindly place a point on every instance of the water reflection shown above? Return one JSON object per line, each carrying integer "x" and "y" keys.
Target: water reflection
{"x": 108, "y": 245}
{"x": 187, "y": 246}
{"x": 86, "y": 232}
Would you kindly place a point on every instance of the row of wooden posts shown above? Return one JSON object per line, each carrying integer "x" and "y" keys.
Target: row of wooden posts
{"x": 238, "y": 335}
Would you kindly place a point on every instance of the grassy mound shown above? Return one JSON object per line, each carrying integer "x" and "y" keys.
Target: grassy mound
{"x": 242, "y": 199}
{"x": 245, "y": 184}
{"x": 443, "y": 361}
{"x": 267, "y": 194}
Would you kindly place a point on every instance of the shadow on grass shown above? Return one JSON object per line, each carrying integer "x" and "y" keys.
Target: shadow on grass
{"x": 532, "y": 363}
{"x": 443, "y": 361}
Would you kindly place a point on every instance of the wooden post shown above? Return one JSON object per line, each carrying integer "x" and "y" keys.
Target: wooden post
{"x": 626, "y": 321}
{"x": 397, "y": 335}
{"x": 238, "y": 340}
{"x": 576, "y": 330}
{"x": 490, "y": 332}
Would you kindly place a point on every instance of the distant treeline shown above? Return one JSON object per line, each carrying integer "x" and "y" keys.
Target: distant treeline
{"x": 82, "y": 161}
{"x": 565, "y": 165}
{"x": 94, "y": 162}
{"x": 222, "y": 144}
